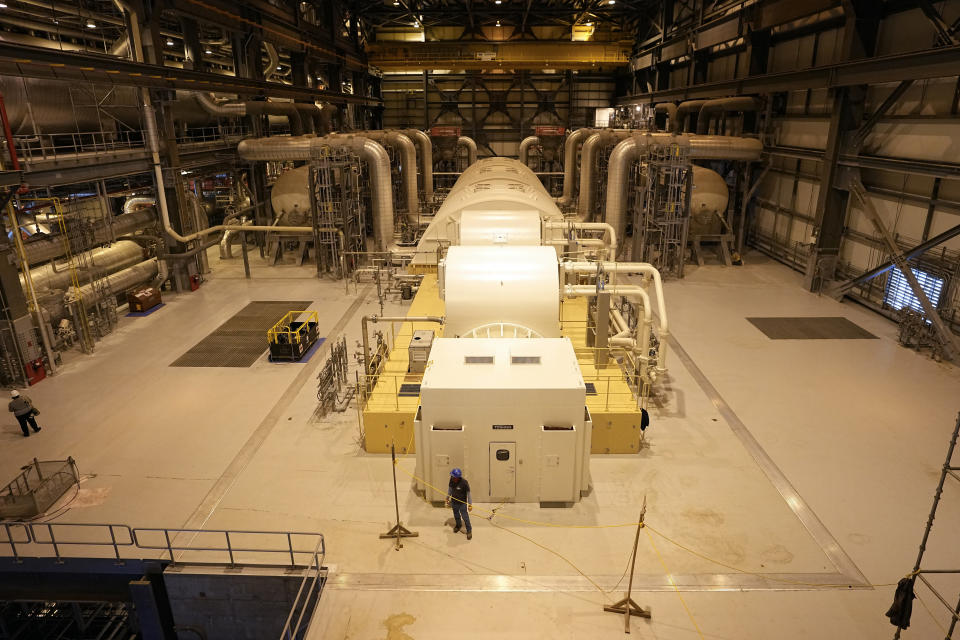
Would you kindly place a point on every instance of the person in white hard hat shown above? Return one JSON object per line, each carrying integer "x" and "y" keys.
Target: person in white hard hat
{"x": 23, "y": 409}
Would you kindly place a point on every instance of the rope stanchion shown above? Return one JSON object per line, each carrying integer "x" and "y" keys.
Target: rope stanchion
{"x": 398, "y": 531}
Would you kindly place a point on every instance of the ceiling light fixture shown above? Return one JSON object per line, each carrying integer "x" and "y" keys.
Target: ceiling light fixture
{"x": 497, "y": 1}
{"x": 612, "y": 2}
{"x": 3, "y": 5}
{"x": 207, "y": 51}
{"x": 91, "y": 24}
{"x": 169, "y": 42}
{"x": 498, "y": 23}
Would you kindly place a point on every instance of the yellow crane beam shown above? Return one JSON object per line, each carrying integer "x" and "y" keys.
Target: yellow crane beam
{"x": 417, "y": 56}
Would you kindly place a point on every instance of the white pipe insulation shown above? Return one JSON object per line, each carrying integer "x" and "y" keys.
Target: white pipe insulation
{"x": 426, "y": 160}
{"x": 640, "y": 342}
{"x": 610, "y": 234}
{"x": 646, "y": 270}
{"x": 589, "y": 153}
{"x": 132, "y": 204}
{"x": 630, "y": 150}
{"x": 408, "y": 165}
{"x": 115, "y": 257}
{"x": 306, "y": 148}
{"x": 464, "y": 141}
{"x": 525, "y": 145}
{"x": 570, "y": 146}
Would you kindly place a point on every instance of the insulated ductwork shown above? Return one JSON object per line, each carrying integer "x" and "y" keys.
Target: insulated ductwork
{"x": 683, "y": 113}
{"x": 138, "y": 202}
{"x": 589, "y": 154}
{"x": 422, "y": 140}
{"x": 464, "y": 141}
{"x": 117, "y": 256}
{"x": 408, "y": 165}
{"x": 570, "y": 146}
{"x": 273, "y": 59}
{"x": 252, "y": 108}
{"x": 525, "y": 145}
{"x": 671, "y": 110}
{"x": 712, "y": 108}
{"x": 43, "y": 249}
{"x": 700, "y": 147}
{"x": 307, "y": 148}
{"x": 41, "y": 106}
{"x": 118, "y": 282}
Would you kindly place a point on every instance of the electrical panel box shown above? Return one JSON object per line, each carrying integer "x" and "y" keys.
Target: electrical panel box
{"x": 419, "y": 350}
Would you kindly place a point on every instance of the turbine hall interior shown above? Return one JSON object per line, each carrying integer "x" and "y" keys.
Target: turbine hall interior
{"x": 491, "y": 318}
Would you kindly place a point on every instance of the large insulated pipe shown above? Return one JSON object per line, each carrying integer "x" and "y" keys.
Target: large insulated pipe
{"x": 464, "y": 141}
{"x": 525, "y": 145}
{"x": 671, "y": 110}
{"x": 118, "y": 282}
{"x": 700, "y": 147}
{"x": 306, "y": 148}
{"x": 132, "y": 204}
{"x": 426, "y": 159}
{"x": 646, "y": 270}
{"x": 43, "y": 249}
{"x": 640, "y": 342}
{"x": 570, "y": 146}
{"x": 683, "y": 113}
{"x": 117, "y": 256}
{"x": 408, "y": 165}
{"x": 251, "y": 108}
{"x": 589, "y": 154}
{"x": 273, "y": 59}
{"x": 609, "y": 233}
{"x": 718, "y": 107}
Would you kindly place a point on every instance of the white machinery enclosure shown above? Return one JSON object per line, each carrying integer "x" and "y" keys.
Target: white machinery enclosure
{"x": 511, "y": 413}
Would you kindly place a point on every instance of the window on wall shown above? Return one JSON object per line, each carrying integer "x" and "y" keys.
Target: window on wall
{"x": 900, "y": 295}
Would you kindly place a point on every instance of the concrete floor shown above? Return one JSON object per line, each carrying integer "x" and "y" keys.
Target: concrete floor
{"x": 856, "y": 430}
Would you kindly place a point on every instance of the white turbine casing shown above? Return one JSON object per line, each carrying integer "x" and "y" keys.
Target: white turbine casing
{"x": 484, "y": 227}
{"x": 492, "y": 184}
{"x": 512, "y": 284}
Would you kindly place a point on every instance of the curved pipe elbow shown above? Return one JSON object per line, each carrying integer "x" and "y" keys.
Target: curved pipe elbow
{"x": 471, "y": 146}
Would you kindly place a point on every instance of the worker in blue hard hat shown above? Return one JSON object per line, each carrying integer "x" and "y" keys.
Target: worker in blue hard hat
{"x": 458, "y": 496}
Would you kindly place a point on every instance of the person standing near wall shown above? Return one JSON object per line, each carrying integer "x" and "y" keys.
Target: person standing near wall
{"x": 458, "y": 496}
{"x": 23, "y": 409}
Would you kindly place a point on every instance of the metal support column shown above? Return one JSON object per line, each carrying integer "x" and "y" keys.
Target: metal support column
{"x": 951, "y": 349}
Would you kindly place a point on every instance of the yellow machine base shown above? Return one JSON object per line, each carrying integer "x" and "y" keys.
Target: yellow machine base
{"x": 389, "y": 411}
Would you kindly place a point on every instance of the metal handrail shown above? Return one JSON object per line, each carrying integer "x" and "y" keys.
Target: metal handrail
{"x": 120, "y": 535}
{"x": 230, "y": 549}
{"x": 282, "y": 327}
{"x": 7, "y": 526}
{"x": 312, "y": 576}
{"x": 112, "y": 529}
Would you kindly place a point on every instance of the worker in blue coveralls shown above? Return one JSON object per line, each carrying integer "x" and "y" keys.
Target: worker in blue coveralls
{"x": 458, "y": 496}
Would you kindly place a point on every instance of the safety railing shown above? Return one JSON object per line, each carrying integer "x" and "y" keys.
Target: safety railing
{"x": 90, "y": 143}
{"x": 294, "y": 549}
{"x": 309, "y": 585}
{"x": 401, "y": 392}
{"x": 289, "y": 330}
{"x": 11, "y": 540}
{"x": 197, "y": 136}
{"x": 64, "y": 534}
{"x": 232, "y": 544}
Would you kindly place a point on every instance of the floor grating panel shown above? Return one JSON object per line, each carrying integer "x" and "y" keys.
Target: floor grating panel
{"x": 242, "y": 339}
{"x": 812, "y": 328}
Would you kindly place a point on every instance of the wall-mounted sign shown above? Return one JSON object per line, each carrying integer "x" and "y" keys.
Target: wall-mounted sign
{"x": 503, "y": 426}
